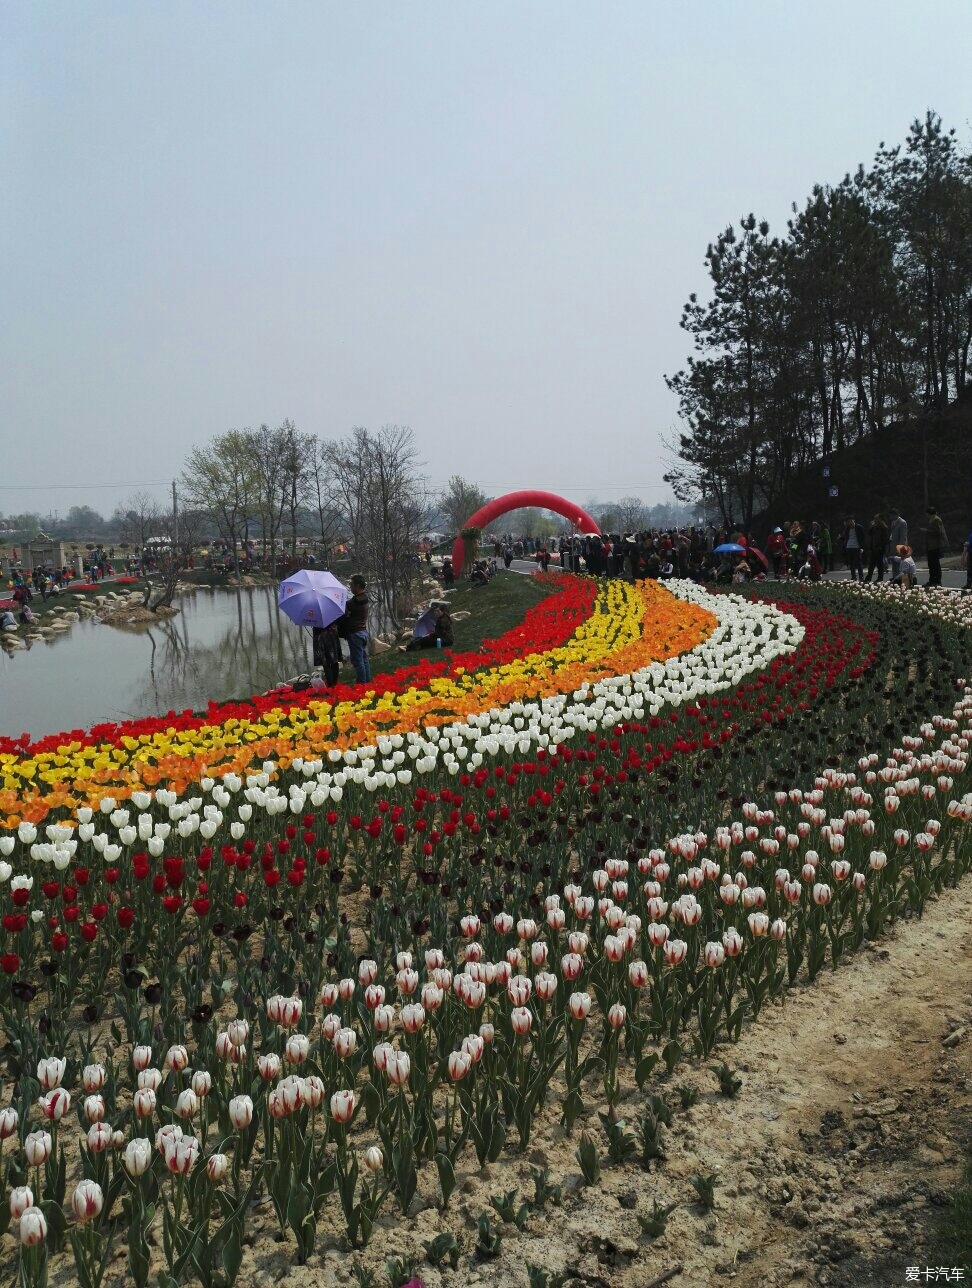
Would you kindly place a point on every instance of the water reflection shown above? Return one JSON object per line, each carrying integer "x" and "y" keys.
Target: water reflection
{"x": 222, "y": 644}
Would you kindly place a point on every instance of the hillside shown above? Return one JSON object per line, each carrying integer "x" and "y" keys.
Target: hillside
{"x": 907, "y": 465}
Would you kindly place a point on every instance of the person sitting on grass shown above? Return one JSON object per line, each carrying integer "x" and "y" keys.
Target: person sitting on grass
{"x": 440, "y": 636}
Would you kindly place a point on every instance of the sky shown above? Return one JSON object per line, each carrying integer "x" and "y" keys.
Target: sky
{"x": 479, "y": 220}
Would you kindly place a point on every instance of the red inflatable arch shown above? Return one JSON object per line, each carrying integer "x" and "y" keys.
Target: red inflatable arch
{"x": 520, "y": 501}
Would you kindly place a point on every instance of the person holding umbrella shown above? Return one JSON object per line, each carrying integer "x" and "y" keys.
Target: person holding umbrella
{"x": 319, "y": 601}
{"x": 432, "y": 630}
{"x": 758, "y": 563}
{"x": 727, "y": 566}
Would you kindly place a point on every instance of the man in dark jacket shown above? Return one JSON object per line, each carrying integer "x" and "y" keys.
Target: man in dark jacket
{"x": 852, "y": 542}
{"x": 936, "y": 542}
{"x": 877, "y": 541}
{"x": 354, "y": 628}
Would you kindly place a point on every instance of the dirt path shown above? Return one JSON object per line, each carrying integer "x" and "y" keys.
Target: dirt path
{"x": 862, "y": 1112}
{"x": 850, "y": 1128}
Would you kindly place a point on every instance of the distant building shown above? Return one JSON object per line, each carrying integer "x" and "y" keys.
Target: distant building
{"x": 42, "y": 552}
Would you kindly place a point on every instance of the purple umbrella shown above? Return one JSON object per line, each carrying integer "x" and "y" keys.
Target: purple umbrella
{"x": 312, "y": 598}
{"x": 425, "y": 624}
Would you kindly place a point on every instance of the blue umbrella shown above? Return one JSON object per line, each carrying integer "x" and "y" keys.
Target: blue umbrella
{"x": 729, "y": 548}
{"x": 312, "y": 598}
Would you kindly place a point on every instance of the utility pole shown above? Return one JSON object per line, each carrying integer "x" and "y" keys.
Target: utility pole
{"x": 175, "y": 517}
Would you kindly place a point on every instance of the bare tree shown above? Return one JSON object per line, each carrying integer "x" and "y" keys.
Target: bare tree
{"x": 220, "y": 479}
{"x": 374, "y": 485}
{"x": 186, "y": 534}
{"x": 161, "y": 585}
{"x": 193, "y": 525}
{"x": 328, "y": 519}
{"x": 267, "y": 446}
{"x": 297, "y": 456}
{"x": 138, "y": 518}
{"x": 459, "y": 502}
{"x": 632, "y": 514}
{"x": 346, "y": 467}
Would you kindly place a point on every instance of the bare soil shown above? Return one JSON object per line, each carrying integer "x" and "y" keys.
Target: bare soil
{"x": 847, "y": 1136}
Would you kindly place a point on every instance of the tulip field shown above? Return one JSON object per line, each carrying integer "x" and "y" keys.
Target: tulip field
{"x": 331, "y": 955}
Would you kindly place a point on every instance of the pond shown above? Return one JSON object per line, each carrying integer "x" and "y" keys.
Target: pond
{"x": 222, "y": 644}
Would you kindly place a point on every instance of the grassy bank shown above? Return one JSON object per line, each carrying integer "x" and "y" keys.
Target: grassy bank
{"x": 492, "y": 609}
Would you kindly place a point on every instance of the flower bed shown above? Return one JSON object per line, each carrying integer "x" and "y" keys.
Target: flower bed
{"x": 344, "y": 978}
{"x": 575, "y": 641}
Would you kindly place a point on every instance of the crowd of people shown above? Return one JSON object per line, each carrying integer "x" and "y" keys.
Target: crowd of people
{"x": 663, "y": 554}
{"x": 41, "y": 581}
{"x": 883, "y": 545}
{"x": 792, "y": 549}
{"x": 639, "y": 554}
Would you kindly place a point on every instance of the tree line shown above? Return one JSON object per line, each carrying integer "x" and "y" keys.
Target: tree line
{"x": 854, "y": 324}
{"x": 276, "y": 485}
